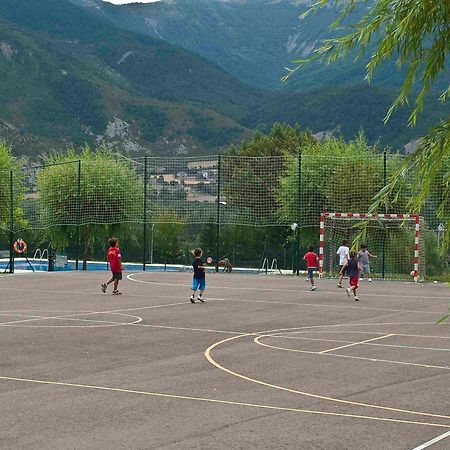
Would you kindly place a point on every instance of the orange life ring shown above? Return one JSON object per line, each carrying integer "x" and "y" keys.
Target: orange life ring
{"x": 20, "y": 246}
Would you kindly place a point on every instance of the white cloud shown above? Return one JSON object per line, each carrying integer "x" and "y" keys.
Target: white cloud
{"x": 123, "y": 2}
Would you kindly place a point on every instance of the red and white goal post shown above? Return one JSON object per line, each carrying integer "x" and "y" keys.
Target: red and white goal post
{"x": 413, "y": 219}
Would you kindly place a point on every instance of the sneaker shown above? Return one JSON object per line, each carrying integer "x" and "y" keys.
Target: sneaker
{"x": 370, "y": 280}
{"x": 313, "y": 288}
{"x": 356, "y": 299}
{"x": 348, "y": 292}
{"x": 191, "y": 298}
{"x": 104, "y": 286}
{"x": 116, "y": 292}
{"x": 339, "y": 285}
{"x": 201, "y": 299}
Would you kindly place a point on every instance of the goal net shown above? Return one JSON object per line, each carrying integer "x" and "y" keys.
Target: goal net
{"x": 395, "y": 239}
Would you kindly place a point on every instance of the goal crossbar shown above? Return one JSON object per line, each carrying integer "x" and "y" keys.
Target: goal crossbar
{"x": 361, "y": 216}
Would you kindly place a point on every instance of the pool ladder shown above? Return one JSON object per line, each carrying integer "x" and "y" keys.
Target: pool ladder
{"x": 41, "y": 254}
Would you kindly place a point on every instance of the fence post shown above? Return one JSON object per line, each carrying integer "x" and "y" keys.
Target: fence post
{"x": 145, "y": 211}
{"x": 383, "y": 248}
{"x": 11, "y": 222}
{"x": 299, "y": 200}
{"x": 219, "y": 167}
{"x": 151, "y": 243}
{"x": 77, "y": 258}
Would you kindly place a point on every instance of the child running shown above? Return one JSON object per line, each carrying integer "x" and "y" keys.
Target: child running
{"x": 364, "y": 261}
{"x": 115, "y": 264}
{"x": 311, "y": 259}
{"x": 198, "y": 281}
{"x": 343, "y": 252}
{"x": 352, "y": 266}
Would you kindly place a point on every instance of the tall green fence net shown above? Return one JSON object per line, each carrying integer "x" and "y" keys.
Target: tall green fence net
{"x": 241, "y": 208}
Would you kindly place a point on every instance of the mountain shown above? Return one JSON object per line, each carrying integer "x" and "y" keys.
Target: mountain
{"x": 69, "y": 75}
{"x": 254, "y": 40}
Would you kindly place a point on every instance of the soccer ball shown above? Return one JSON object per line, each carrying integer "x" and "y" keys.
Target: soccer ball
{"x": 413, "y": 273}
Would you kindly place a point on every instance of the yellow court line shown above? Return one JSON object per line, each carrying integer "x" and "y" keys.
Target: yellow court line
{"x": 357, "y": 343}
{"x": 257, "y": 340}
{"x": 223, "y": 402}
{"x": 306, "y": 394}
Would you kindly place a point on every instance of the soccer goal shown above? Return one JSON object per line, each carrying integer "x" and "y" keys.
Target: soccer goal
{"x": 395, "y": 240}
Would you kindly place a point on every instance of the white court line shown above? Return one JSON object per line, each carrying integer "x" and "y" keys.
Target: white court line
{"x": 33, "y": 317}
{"x": 316, "y": 305}
{"x": 137, "y": 322}
{"x": 130, "y": 277}
{"x": 107, "y": 323}
{"x": 240, "y": 333}
{"x": 241, "y": 300}
{"x": 20, "y": 312}
{"x": 13, "y": 322}
{"x": 356, "y": 343}
{"x": 257, "y": 340}
{"x": 219, "y": 299}
{"x": 425, "y": 336}
{"x": 221, "y": 402}
{"x": 364, "y": 343}
{"x": 433, "y": 441}
{"x": 412, "y": 347}
{"x": 360, "y": 307}
{"x": 90, "y": 313}
{"x": 298, "y": 303}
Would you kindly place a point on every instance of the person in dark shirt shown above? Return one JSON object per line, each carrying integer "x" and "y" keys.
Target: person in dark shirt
{"x": 353, "y": 268}
{"x": 198, "y": 281}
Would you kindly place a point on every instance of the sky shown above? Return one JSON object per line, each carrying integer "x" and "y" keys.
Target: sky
{"x": 122, "y": 2}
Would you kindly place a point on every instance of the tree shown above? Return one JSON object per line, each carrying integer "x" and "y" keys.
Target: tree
{"x": 250, "y": 185}
{"x": 10, "y": 164}
{"x": 110, "y": 198}
{"x": 417, "y": 34}
{"x": 336, "y": 176}
{"x": 339, "y": 176}
{"x": 169, "y": 238}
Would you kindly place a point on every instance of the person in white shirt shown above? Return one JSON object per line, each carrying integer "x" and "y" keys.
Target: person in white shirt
{"x": 343, "y": 252}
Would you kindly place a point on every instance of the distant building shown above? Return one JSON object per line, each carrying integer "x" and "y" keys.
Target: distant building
{"x": 411, "y": 147}
{"x": 202, "y": 175}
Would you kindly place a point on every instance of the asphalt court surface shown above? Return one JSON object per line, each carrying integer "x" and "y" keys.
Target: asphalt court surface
{"x": 263, "y": 364}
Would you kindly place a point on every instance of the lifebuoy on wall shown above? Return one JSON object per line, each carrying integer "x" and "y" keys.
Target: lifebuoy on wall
{"x": 20, "y": 246}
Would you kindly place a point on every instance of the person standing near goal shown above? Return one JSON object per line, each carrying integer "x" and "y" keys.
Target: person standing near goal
{"x": 364, "y": 261}
{"x": 353, "y": 268}
{"x": 311, "y": 259}
{"x": 343, "y": 252}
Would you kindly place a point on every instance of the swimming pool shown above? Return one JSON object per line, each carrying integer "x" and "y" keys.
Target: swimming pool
{"x": 41, "y": 265}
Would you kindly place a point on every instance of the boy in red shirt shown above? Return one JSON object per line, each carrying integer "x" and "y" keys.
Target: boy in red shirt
{"x": 311, "y": 259}
{"x": 115, "y": 264}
